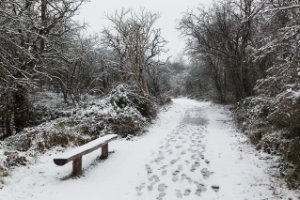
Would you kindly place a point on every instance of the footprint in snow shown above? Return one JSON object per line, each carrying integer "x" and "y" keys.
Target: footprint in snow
{"x": 163, "y": 167}
{"x": 193, "y": 169}
{"x": 150, "y": 187}
{"x": 178, "y": 194}
{"x": 196, "y": 164}
{"x": 164, "y": 172}
{"x": 176, "y": 172}
{"x": 198, "y": 192}
{"x": 154, "y": 178}
{"x": 183, "y": 176}
{"x": 206, "y": 173}
{"x": 175, "y": 178}
{"x": 172, "y": 162}
{"x": 194, "y": 156}
{"x": 180, "y": 167}
{"x": 200, "y": 188}
{"x": 170, "y": 152}
{"x": 189, "y": 179}
{"x": 215, "y": 188}
{"x": 162, "y": 187}
{"x": 187, "y": 192}
{"x": 148, "y": 169}
{"x": 140, "y": 188}
{"x": 197, "y": 159}
{"x": 161, "y": 195}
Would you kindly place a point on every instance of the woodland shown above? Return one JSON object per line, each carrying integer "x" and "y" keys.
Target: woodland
{"x": 242, "y": 53}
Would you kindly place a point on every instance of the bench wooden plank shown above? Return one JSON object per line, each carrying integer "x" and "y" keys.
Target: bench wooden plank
{"x": 85, "y": 149}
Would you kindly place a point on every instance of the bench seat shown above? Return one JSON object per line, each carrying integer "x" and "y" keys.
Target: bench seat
{"x": 76, "y": 154}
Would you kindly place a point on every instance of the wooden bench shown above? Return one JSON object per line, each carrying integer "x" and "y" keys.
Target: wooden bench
{"x": 76, "y": 154}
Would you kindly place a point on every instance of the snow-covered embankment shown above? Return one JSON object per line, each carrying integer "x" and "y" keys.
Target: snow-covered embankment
{"x": 191, "y": 151}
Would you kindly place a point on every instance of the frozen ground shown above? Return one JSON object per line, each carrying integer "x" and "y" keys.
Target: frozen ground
{"x": 191, "y": 152}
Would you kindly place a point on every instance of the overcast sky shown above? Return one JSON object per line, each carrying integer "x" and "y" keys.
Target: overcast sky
{"x": 94, "y": 12}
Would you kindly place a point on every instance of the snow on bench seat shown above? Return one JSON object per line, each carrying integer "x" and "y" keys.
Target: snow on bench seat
{"x": 76, "y": 154}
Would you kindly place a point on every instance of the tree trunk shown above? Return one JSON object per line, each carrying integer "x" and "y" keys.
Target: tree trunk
{"x": 239, "y": 89}
{"x": 8, "y": 131}
{"x": 21, "y": 108}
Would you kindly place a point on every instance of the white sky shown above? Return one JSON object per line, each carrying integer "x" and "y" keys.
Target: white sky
{"x": 171, "y": 11}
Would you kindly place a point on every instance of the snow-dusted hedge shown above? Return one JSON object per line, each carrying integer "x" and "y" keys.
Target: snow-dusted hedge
{"x": 273, "y": 125}
{"x": 123, "y": 112}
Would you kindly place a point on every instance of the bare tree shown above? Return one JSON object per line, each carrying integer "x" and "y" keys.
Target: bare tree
{"x": 136, "y": 42}
{"x": 223, "y": 37}
{"x": 89, "y": 70}
{"x": 31, "y": 35}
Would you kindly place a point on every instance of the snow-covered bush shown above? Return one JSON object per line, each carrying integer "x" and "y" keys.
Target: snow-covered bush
{"x": 118, "y": 97}
{"x": 252, "y": 117}
{"x": 272, "y": 115}
{"x": 287, "y": 112}
{"x": 272, "y": 123}
{"x": 122, "y": 112}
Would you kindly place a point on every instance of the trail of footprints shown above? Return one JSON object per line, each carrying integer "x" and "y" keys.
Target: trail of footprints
{"x": 180, "y": 161}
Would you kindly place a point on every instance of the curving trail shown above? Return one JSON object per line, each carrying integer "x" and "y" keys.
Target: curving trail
{"x": 179, "y": 164}
{"x": 191, "y": 152}
{"x": 204, "y": 157}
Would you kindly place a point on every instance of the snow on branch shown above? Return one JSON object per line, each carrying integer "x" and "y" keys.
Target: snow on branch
{"x": 283, "y": 8}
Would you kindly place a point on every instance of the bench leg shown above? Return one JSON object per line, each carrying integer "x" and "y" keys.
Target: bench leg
{"x": 104, "y": 153}
{"x": 77, "y": 166}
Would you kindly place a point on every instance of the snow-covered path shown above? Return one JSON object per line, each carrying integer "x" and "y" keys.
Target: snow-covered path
{"x": 191, "y": 152}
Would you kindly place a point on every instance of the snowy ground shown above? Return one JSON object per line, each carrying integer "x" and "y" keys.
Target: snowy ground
{"x": 191, "y": 152}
